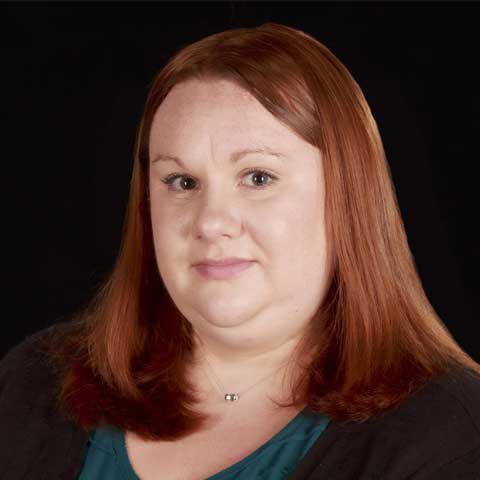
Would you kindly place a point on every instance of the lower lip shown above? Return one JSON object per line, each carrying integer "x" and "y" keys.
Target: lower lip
{"x": 218, "y": 272}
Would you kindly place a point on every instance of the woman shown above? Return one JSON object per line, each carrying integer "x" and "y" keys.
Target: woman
{"x": 264, "y": 318}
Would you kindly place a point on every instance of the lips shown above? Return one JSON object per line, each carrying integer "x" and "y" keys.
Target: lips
{"x": 223, "y": 271}
{"x": 222, "y": 262}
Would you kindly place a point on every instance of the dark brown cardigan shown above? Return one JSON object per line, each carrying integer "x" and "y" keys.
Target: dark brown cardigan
{"x": 435, "y": 435}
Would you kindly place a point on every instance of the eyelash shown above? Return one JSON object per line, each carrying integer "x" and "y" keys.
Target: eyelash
{"x": 172, "y": 177}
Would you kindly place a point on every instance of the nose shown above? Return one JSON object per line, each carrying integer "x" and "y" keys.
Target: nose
{"x": 217, "y": 214}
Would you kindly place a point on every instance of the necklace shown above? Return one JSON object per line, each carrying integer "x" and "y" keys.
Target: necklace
{"x": 233, "y": 397}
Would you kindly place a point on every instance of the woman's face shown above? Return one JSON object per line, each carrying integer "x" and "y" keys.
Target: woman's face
{"x": 216, "y": 209}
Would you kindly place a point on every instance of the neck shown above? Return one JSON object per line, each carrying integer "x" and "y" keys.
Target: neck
{"x": 264, "y": 373}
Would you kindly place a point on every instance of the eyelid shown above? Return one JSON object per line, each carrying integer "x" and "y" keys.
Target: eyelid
{"x": 169, "y": 179}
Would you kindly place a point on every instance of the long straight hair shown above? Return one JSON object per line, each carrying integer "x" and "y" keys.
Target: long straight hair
{"x": 376, "y": 338}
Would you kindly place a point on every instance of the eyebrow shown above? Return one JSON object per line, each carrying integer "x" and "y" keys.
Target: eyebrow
{"x": 234, "y": 157}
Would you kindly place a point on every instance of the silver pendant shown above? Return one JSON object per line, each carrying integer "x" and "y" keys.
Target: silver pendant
{"x": 231, "y": 397}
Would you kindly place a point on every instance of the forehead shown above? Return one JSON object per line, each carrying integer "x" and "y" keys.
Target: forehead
{"x": 218, "y": 114}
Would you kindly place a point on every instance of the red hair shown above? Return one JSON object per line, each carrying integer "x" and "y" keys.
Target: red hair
{"x": 376, "y": 338}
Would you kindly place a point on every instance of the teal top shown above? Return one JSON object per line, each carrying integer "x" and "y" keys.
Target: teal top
{"x": 107, "y": 459}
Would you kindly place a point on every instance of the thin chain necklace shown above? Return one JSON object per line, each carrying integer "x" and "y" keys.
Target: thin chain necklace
{"x": 233, "y": 397}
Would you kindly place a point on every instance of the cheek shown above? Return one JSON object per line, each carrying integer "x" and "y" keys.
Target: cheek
{"x": 163, "y": 231}
{"x": 296, "y": 246}
{"x": 166, "y": 222}
{"x": 293, "y": 226}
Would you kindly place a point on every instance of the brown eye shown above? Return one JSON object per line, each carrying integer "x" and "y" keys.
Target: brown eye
{"x": 186, "y": 181}
{"x": 171, "y": 178}
{"x": 259, "y": 175}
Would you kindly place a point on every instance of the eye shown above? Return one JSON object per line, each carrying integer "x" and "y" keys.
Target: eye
{"x": 171, "y": 178}
{"x": 259, "y": 174}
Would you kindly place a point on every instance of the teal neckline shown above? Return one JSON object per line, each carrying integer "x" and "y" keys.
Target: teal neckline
{"x": 120, "y": 448}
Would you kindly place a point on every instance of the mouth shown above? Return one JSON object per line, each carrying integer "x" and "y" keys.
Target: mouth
{"x": 225, "y": 271}
{"x": 222, "y": 262}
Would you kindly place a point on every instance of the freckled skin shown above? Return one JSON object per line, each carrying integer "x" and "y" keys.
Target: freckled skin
{"x": 260, "y": 314}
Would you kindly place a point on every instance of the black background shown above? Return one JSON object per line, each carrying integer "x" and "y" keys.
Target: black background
{"x": 75, "y": 78}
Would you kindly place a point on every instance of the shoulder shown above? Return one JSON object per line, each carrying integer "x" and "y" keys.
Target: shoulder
{"x": 460, "y": 393}
{"x": 26, "y": 366}
{"x": 445, "y": 413}
{"x": 450, "y": 403}
{"x": 435, "y": 433}
{"x": 439, "y": 427}
{"x": 35, "y": 435}
{"x": 440, "y": 421}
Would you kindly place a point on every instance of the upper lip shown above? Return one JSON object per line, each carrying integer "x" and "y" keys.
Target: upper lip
{"x": 222, "y": 261}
